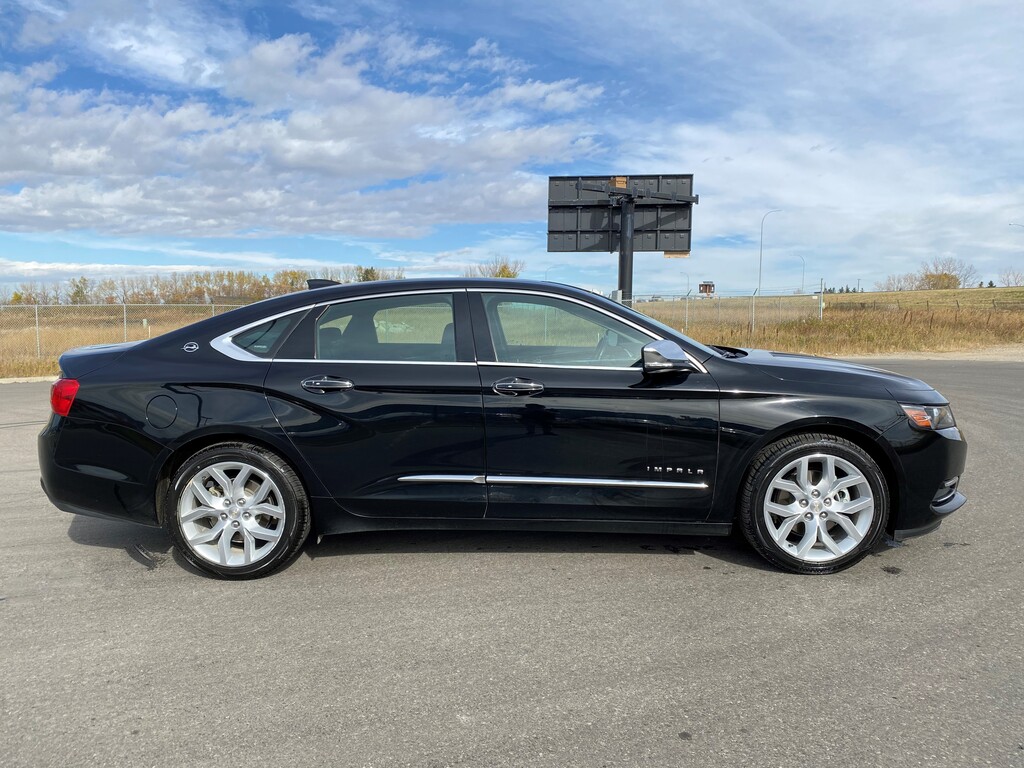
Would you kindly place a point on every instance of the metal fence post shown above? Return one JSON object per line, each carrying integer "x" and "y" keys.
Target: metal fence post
{"x": 124, "y": 308}
{"x": 39, "y": 346}
{"x": 686, "y": 313}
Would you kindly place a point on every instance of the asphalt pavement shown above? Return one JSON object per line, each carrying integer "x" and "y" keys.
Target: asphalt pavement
{"x": 493, "y": 649}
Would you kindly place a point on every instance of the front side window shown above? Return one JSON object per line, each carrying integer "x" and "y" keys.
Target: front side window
{"x": 544, "y": 330}
{"x": 419, "y": 328}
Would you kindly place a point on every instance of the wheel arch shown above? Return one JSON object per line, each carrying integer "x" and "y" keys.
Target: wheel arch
{"x": 180, "y": 452}
{"x": 864, "y": 438}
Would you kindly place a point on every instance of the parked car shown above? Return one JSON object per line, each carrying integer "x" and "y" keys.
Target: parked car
{"x": 488, "y": 404}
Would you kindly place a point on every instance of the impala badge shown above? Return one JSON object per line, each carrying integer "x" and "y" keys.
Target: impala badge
{"x": 191, "y": 346}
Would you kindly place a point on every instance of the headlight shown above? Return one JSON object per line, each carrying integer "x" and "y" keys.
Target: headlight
{"x": 930, "y": 416}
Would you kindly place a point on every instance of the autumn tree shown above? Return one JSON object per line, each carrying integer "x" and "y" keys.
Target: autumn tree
{"x": 947, "y": 272}
{"x": 1011, "y": 277}
{"x": 497, "y": 266}
{"x": 941, "y": 272}
{"x": 905, "y": 282}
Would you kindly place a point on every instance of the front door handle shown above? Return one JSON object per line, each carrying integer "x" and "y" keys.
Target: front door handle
{"x": 323, "y": 384}
{"x": 516, "y": 386}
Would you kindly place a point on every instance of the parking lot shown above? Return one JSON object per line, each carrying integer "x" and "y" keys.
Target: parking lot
{"x": 487, "y": 649}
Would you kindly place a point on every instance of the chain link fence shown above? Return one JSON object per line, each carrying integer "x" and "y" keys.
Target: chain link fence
{"x": 735, "y": 310}
{"x": 33, "y": 337}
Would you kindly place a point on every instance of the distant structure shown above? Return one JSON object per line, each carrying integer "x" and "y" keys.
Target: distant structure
{"x": 706, "y": 288}
{"x": 623, "y": 213}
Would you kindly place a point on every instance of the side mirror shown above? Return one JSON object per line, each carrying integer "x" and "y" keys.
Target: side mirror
{"x": 664, "y": 356}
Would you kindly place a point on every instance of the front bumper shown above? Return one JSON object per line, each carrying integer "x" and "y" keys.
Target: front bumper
{"x": 931, "y": 465}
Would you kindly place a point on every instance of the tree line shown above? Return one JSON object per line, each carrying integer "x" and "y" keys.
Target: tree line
{"x": 217, "y": 286}
{"x": 946, "y": 272}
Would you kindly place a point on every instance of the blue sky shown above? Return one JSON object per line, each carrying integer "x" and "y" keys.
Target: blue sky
{"x": 148, "y": 137}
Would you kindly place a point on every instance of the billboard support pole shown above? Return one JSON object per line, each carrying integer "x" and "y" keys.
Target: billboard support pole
{"x": 626, "y": 250}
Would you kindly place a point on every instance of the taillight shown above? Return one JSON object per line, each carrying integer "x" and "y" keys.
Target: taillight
{"x": 62, "y": 395}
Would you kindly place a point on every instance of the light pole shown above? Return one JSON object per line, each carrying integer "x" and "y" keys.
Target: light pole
{"x": 553, "y": 266}
{"x": 760, "y": 258}
{"x": 687, "y": 281}
{"x": 803, "y": 272}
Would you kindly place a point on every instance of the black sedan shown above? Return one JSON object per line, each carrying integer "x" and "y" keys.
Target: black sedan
{"x": 488, "y": 404}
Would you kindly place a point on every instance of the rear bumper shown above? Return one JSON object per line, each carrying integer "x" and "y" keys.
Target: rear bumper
{"x": 90, "y": 489}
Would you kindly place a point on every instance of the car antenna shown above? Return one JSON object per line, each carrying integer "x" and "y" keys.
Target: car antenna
{"x": 319, "y": 282}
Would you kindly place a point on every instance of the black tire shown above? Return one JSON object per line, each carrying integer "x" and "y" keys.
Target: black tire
{"x": 286, "y": 494}
{"x": 755, "y": 519}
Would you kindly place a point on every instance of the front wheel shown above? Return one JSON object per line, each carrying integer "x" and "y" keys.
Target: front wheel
{"x": 237, "y": 510}
{"x": 814, "y": 503}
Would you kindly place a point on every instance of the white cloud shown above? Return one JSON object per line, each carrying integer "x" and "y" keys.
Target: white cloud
{"x": 486, "y": 54}
{"x": 303, "y": 147}
{"x": 172, "y": 41}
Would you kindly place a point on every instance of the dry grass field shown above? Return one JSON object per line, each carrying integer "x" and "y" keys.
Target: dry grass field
{"x": 856, "y": 323}
{"x": 962, "y": 298}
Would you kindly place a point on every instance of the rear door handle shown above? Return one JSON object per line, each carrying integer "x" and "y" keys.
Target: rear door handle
{"x": 516, "y": 386}
{"x": 324, "y": 384}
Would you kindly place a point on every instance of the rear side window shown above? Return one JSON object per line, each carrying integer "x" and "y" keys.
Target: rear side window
{"x": 263, "y": 339}
{"x": 419, "y": 328}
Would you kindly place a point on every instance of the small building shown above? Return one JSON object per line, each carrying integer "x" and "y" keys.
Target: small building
{"x": 706, "y": 288}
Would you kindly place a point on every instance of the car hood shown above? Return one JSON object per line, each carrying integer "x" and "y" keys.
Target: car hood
{"x": 786, "y": 366}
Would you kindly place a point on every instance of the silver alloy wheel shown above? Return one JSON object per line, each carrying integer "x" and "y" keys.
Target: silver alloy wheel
{"x": 819, "y": 508}
{"x": 231, "y": 513}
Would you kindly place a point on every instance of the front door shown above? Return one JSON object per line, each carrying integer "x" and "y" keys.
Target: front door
{"x": 575, "y": 429}
{"x": 382, "y": 398}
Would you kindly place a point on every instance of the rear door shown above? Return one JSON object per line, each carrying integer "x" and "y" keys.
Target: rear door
{"x": 381, "y": 396}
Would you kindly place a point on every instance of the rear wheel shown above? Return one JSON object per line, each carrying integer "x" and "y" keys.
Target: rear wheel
{"x": 237, "y": 510}
{"x": 814, "y": 503}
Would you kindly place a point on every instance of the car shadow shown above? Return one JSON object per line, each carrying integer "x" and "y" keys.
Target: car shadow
{"x": 722, "y": 548}
{"x": 150, "y": 547}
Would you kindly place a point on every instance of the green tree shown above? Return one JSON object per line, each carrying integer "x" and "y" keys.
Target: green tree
{"x": 78, "y": 290}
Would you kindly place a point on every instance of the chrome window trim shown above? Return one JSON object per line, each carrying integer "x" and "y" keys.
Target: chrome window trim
{"x": 534, "y": 292}
{"x": 224, "y": 345}
{"x": 530, "y": 480}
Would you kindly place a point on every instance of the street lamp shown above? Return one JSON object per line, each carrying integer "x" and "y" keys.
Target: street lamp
{"x": 760, "y": 258}
{"x": 553, "y": 266}
{"x": 687, "y": 281}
